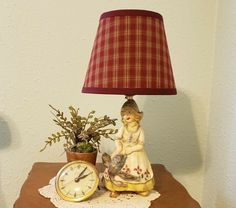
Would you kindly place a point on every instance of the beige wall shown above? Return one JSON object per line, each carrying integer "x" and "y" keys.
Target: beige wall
{"x": 220, "y": 174}
{"x": 44, "y": 52}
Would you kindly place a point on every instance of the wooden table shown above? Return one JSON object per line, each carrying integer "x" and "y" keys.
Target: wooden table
{"x": 173, "y": 194}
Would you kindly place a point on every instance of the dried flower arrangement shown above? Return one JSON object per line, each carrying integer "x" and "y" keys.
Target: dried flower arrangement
{"x": 80, "y": 134}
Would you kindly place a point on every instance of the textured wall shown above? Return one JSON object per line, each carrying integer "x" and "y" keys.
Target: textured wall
{"x": 44, "y": 52}
{"x": 220, "y": 179}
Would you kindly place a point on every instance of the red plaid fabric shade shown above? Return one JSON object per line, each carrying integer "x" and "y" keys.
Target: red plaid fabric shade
{"x": 130, "y": 56}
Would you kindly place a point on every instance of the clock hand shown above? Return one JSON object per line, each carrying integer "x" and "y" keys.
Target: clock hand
{"x": 83, "y": 176}
{"x": 82, "y": 172}
{"x": 77, "y": 179}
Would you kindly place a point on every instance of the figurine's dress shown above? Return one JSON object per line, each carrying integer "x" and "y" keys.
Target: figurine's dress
{"x": 137, "y": 163}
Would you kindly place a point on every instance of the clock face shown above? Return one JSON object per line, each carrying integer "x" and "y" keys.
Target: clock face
{"x": 76, "y": 181}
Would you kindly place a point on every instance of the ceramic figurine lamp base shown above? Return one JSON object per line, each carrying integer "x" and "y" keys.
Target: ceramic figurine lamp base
{"x": 135, "y": 173}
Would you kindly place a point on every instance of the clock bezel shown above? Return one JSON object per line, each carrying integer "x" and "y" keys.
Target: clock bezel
{"x": 87, "y": 195}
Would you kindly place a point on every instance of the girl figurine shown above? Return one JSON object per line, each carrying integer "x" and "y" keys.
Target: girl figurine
{"x": 136, "y": 174}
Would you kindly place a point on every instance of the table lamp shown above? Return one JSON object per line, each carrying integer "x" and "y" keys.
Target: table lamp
{"x": 130, "y": 57}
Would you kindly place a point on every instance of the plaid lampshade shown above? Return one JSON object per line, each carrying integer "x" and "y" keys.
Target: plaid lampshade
{"x": 130, "y": 56}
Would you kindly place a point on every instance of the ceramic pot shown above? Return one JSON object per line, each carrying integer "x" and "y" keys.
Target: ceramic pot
{"x": 87, "y": 156}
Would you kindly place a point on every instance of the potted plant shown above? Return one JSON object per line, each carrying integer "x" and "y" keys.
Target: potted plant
{"x": 81, "y": 135}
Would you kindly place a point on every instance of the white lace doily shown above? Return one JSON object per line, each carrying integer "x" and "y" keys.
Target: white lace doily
{"x": 99, "y": 199}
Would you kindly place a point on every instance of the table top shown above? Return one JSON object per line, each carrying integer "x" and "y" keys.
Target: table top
{"x": 173, "y": 194}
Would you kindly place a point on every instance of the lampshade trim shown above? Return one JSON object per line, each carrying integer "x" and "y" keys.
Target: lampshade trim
{"x": 130, "y": 91}
{"x": 131, "y": 12}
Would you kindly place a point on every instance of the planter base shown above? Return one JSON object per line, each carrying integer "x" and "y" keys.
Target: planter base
{"x": 87, "y": 156}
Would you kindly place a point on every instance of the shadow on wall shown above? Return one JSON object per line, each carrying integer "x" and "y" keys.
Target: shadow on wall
{"x": 5, "y": 141}
{"x": 5, "y": 134}
{"x": 171, "y": 137}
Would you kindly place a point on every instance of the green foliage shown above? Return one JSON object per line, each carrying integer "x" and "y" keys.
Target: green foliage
{"x": 80, "y": 134}
{"x": 85, "y": 147}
